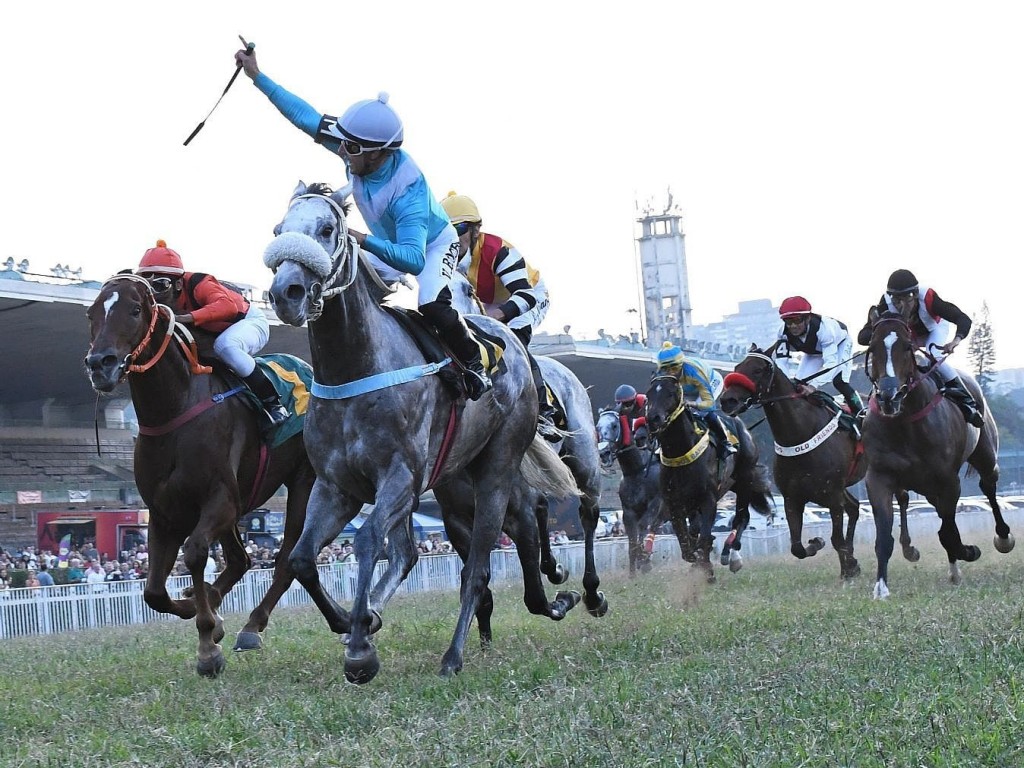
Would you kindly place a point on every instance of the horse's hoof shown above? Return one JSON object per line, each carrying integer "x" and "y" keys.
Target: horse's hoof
{"x": 451, "y": 664}
{"x": 646, "y": 567}
{"x": 600, "y": 608}
{"x": 735, "y": 565}
{"x": 211, "y": 666}
{"x": 362, "y": 670}
{"x": 559, "y": 575}
{"x": 818, "y": 543}
{"x": 852, "y": 571}
{"x": 724, "y": 559}
{"x": 566, "y": 601}
{"x": 1003, "y": 545}
{"x": 248, "y": 641}
{"x": 911, "y": 554}
{"x": 971, "y": 553}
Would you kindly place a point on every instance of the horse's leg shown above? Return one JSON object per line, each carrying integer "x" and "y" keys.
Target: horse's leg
{"x": 984, "y": 461}
{"x": 880, "y": 492}
{"x": 556, "y": 573}
{"x": 848, "y": 566}
{"x": 629, "y": 522}
{"x": 706, "y": 538}
{"x": 327, "y": 513}
{"x": 910, "y": 552}
{"x": 589, "y": 481}
{"x": 163, "y": 548}
{"x": 521, "y": 526}
{"x": 734, "y": 540}
{"x": 795, "y": 520}
{"x": 299, "y": 487}
{"x": 945, "y": 501}
{"x": 221, "y": 505}
{"x": 491, "y": 489}
{"x": 458, "y": 521}
{"x": 391, "y": 518}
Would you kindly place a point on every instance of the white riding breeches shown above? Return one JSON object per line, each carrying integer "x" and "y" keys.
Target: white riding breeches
{"x": 239, "y": 342}
{"x": 811, "y": 364}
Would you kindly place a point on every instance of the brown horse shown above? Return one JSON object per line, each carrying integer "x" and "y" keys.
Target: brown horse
{"x": 693, "y": 479}
{"x": 815, "y": 460}
{"x": 200, "y": 462}
{"x": 917, "y": 439}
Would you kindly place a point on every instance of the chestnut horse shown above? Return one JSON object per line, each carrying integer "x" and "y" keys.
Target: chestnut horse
{"x": 917, "y": 439}
{"x": 815, "y": 459}
{"x": 200, "y": 461}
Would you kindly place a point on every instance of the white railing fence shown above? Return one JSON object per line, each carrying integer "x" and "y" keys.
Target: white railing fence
{"x": 53, "y": 610}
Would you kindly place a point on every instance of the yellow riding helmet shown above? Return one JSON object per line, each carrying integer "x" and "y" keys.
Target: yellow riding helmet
{"x": 460, "y": 208}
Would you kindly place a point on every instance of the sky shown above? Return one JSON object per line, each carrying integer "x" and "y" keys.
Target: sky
{"x": 811, "y": 147}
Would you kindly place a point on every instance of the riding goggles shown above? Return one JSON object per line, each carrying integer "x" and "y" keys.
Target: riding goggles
{"x": 160, "y": 285}
{"x": 354, "y": 148}
{"x": 463, "y": 227}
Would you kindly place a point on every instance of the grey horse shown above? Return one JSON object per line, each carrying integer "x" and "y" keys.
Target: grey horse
{"x": 375, "y": 441}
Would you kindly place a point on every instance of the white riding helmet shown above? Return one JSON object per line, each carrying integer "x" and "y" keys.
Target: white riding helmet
{"x": 372, "y": 123}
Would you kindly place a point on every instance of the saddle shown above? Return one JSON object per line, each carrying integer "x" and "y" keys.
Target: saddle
{"x": 847, "y": 421}
{"x": 434, "y": 349}
{"x": 291, "y": 377}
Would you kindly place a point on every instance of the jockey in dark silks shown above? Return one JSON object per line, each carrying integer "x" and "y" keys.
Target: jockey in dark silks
{"x": 930, "y": 319}
{"x": 702, "y": 385}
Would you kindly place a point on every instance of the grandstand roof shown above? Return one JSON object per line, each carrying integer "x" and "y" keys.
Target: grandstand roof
{"x": 44, "y": 337}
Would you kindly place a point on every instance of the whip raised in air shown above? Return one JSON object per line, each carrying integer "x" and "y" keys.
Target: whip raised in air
{"x": 238, "y": 68}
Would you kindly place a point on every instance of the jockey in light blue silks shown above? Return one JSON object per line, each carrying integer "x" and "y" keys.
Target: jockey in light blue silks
{"x": 702, "y": 385}
{"x": 409, "y": 230}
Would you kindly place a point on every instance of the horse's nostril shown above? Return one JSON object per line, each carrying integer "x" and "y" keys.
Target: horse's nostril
{"x": 295, "y": 293}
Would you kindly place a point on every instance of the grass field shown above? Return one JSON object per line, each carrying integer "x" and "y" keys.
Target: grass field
{"x": 778, "y": 665}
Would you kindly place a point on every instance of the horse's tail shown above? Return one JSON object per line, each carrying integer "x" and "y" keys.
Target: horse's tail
{"x": 545, "y": 472}
{"x": 761, "y": 491}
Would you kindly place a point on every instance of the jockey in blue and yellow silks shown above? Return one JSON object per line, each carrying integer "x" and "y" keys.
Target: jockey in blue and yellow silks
{"x": 702, "y": 385}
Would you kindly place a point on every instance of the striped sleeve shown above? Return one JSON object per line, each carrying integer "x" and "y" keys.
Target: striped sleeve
{"x": 510, "y": 267}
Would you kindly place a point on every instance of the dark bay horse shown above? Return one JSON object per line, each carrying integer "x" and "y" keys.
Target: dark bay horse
{"x": 382, "y": 428}
{"x": 639, "y": 488}
{"x": 693, "y": 479}
{"x": 816, "y": 461}
{"x": 918, "y": 440}
{"x": 200, "y": 462}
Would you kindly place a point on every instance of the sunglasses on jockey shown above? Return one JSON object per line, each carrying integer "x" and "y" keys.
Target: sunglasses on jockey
{"x": 463, "y": 227}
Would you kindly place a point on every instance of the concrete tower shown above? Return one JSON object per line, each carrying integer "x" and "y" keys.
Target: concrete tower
{"x": 666, "y": 286}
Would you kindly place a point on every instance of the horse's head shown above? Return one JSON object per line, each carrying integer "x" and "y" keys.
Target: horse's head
{"x": 750, "y": 381}
{"x": 664, "y": 402}
{"x": 121, "y": 324}
{"x": 609, "y": 436}
{"x": 464, "y": 297}
{"x": 311, "y": 251}
{"x": 891, "y": 363}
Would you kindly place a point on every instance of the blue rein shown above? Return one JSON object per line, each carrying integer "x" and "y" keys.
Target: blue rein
{"x": 375, "y": 382}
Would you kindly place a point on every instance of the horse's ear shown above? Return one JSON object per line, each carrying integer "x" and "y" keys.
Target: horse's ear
{"x": 300, "y": 189}
{"x": 753, "y": 348}
{"x": 128, "y": 271}
{"x": 873, "y": 315}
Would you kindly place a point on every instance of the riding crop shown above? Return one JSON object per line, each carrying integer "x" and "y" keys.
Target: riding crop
{"x": 250, "y": 47}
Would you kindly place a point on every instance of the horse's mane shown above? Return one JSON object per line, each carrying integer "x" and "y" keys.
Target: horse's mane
{"x": 324, "y": 189}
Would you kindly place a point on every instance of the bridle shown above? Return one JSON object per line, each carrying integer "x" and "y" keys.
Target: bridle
{"x": 884, "y": 388}
{"x": 680, "y": 408}
{"x": 344, "y": 262}
{"x": 171, "y": 330}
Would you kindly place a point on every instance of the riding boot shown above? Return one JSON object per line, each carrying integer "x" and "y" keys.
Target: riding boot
{"x": 456, "y": 335}
{"x": 955, "y": 390}
{"x": 725, "y": 446}
{"x": 263, "y": 388}
{"x": 546, "y": 413}
{"x": 856, "y": 406}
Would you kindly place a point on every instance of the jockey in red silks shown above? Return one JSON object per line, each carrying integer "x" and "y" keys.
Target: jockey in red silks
{"x": 202, "y": 300}
{"x": 630, "y": 405}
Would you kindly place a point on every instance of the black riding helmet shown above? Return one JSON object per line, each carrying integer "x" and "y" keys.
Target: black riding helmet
{"x": 625, "y": 394}
{"x": 901, "y": 282}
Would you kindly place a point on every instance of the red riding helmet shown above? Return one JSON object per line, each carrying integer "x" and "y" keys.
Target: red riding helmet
{"x": 162, "y": 260}
{"x": 794, "y": 306}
